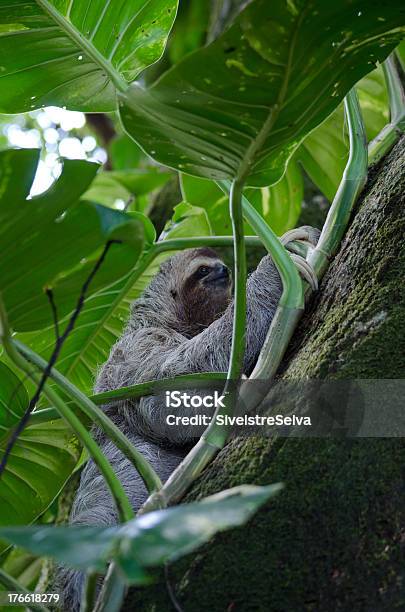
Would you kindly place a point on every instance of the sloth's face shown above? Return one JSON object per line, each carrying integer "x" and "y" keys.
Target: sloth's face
{"x": 205, "y": 288}
{"x": 210, "y": 277}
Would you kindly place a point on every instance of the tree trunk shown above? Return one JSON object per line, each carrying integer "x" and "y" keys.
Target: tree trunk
{"x": 334, "y": 538}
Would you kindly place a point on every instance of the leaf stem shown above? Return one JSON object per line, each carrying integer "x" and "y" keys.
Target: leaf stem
{"x": 239, "y": 252}
{"x": 123, "y": 505}
{"x": 143, "y": 389}
{"x": 214, "y": 438}
{"x": 293, "y": 295}
{"x": 112, "y": 592}
{"x": 183, "y": 476}
{"x": 353, "y": 181}
{"x": 14, "y": 586}
{"x": 395, "y": 89}
{"x": 388, "y": 136}
{"x": 89, "y": 592}
{"x": 291, "y": 302}
{"x": 216, "y": 435}
{"x": 97, "y": 416}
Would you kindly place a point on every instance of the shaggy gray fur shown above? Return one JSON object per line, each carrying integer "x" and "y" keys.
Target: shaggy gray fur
{"x": 174, "y": 328}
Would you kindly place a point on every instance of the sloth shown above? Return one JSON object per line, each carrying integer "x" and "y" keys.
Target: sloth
{"x": 181, "y": 324}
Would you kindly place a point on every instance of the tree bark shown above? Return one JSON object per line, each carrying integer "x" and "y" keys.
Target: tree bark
{"x": 164, "y": 202}
{"x": 334, "y": 538}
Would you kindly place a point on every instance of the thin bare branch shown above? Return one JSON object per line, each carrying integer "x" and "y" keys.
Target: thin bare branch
{"x": 55, "y": 353}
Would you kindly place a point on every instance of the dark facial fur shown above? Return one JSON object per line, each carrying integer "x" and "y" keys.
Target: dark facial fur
{"x": 201, "y": 291}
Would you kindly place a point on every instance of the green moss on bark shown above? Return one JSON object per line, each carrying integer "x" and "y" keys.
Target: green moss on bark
{"x": 355, "y": 328}
{"x": 334, "y": 538}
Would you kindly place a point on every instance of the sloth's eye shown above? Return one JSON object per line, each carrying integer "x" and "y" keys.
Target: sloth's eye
{"x": 203, "y": 270}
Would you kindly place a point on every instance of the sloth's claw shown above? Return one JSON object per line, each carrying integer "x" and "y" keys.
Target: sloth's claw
{"x": 306, "y": 270}
{"x": 300, "y": 247}
{"x": 299, "y": 242}
{"x": 306, "y": 233}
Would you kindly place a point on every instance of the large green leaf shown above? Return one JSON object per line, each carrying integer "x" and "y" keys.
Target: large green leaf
{"x": 124, "y": 153}
{"x": 53, "y": 239}
{"x": 75, "y": 52}
{"x": 190, "y": 29}
{"x": 147, "y": 541}
{"x": 323, "y": 155}
{"x": 186, "y": 221}
{"x": 41, "y": 461}
{"x": 108, "y": 187}
{"x": 243, "y": 104}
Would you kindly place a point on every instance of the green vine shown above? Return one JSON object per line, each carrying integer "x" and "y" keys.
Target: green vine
{"x": 124, "y": 508}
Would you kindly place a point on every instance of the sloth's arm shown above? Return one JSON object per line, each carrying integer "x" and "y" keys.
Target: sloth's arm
{"x": 210, "y": 350}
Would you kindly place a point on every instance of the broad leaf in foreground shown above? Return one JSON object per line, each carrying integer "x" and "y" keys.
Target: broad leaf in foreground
{"x": 147, "y": 541}
{"x": 41, "y": 461}
{"x": 241, "y": 106}
{"x": 54, "y": 239}
{"x": 76, "y": 53}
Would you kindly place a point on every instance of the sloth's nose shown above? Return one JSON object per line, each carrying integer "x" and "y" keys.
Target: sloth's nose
{"x": 221, "y": 271}
{"x": 224, "y": 270}
{"x": 219, "y": 275}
